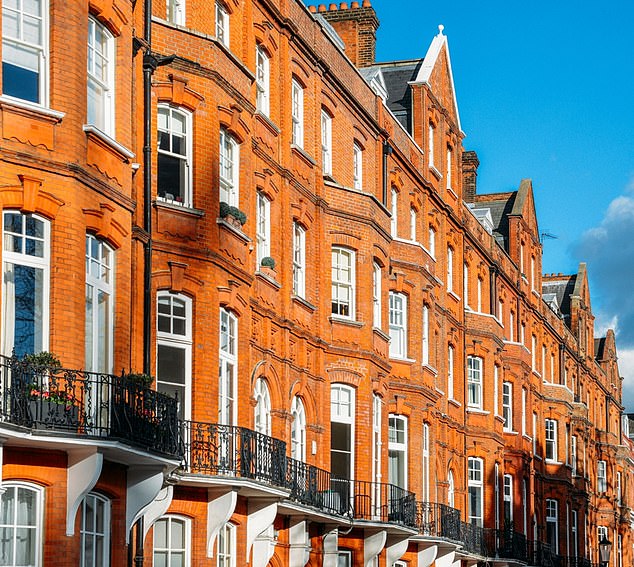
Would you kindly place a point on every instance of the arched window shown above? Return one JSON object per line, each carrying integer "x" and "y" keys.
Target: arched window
{"x": 95, "y": 531}
{"x": 342, "y": 413}
{"x": 228, "y": 367}
{"x": 262, "y": 407}
{"x": 227, "y": 553}
{"x": 174, "y": 348}
{"x": 229, "y": 169}
{"x": 172, "y": 541}
{"x": 25, "y": 289}
{"x": 99, "y": 305}
{"x": 298, "y": 430}
{"x": 21, "y": 524}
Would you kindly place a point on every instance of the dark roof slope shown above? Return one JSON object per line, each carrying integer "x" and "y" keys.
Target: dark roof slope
{"x": 397, "y": 76}
{"x": 500, "y": 205}
{"x": 599, "y": 348}
{"x": 562, "y": 287}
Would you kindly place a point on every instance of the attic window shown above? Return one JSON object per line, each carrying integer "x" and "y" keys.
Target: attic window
{"x": 484, "y": 217}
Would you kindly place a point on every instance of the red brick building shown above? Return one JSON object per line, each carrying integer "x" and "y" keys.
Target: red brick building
{"x": 303, "y": 337}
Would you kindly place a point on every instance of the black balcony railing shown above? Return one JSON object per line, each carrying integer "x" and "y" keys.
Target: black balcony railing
{"x": 315, "y": 487}
{"x": 438, "y": 520}
{"x": 472, "y": 538}
{"x": 506, "y": 544}
{"x": 571, "y": 561}
{"x": 227, "y": 450}
{"x": 88, "y": 404}
{"x": 381, "y": 502}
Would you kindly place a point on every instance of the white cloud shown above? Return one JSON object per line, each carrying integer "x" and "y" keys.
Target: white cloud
{"x": 626, "y": 369}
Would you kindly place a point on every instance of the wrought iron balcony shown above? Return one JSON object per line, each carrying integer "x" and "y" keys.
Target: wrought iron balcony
{"x": 472, "y": 538}
{"x": 506, "y": 544}
{"x": 571, "y": 561}
{"x": 438, "y": 520}
{"x": 381, "y": 502}
{"x": 87, "y": 404}
{"x": 317, "y": 488}
{"x": 227, "y": 450}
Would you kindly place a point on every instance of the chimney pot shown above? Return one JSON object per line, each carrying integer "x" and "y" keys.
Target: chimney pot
{"x": 322, "y": 8}
{"x": 367, "y": 4}
{"x": 354, "y": 5}
{"x": 312, "y": 9}
{"x": 343, "y": 6}
{"x": 333, "y": 7}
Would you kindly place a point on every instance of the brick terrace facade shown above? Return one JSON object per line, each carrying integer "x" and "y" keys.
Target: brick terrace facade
{"x": 371, "y": 370}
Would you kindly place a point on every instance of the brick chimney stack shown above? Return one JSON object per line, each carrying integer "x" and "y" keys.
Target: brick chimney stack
{"x": 356, "y": 24}
{"x": 470, "y": 163}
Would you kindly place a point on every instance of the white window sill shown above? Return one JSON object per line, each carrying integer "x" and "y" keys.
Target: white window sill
{"x": 299, "y": 299}
{"x": 31, "y": 106}
{"x": 402, "y": 359}
{"x": 552, "y": 462}
{"x": 90, "y": 129}
{"x": 527, "y": 437}
{"x": 536, "y": 293}
{"x": 430, "y": 368}
{"x": 471, "y": 409}
{"x": 510, "y": 432}
{"x": 345, "y": 321}
{"x": 454, "y": 295}
{"x": 454, "y": 402}
{"x": 455, "y": 195}
{"x": 435, "y": 171}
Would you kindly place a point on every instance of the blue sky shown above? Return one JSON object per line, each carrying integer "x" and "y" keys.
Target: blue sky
{"x": 546, "y": 91}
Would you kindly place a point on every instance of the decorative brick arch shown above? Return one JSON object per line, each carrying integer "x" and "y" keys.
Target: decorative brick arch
{"x": 339, "y": 375}
{"x": 300, "y": 389}
{"x": 265, "y": 184}
{"x": 231, "y": 119}
{"x": 263, "y": 36}
{"x": 176, "y": 92}
{"x": 176, "y": 279}
{"x": 347, "y": 240}
{"x": 301, "y": 214}
{"x": 399, "y": 407}
{"x": 229, "y": 298}
{"x": 400, "y": 285}
{"x": 28, "y": 197}
{"x": 102, "y": 223}
{"x": 265, "y": 370}
{"x": 395, "y": 179}
{"x": 109, "y": 13}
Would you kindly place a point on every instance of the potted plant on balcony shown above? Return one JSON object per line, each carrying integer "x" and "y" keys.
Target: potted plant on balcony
{"x": 53, "y": 406}
{"x": 232, "y": 215}
{"x": 267, "y": 266}
{"x": 139, "y": 379}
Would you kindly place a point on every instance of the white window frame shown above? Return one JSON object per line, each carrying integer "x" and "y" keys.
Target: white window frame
{"x": 326, "y": 142}
{"x": 35, "y": 523}
{"x": 574, "y": 534}
{"x": 377, "y": 441}
{"x": 449, "y": 269}
{"x": 507, "y": 405}
{"x": 176, "y": 12}
{"x": 451, "y": 489}
{"x": 100, "y": 275}
{"x": 377, "y": 279}
{"x": 465, "y": 285}
{"x": 474, "y": 381}
{"x": 229, "y": 177}
{"x": 413, "y": 221}
{"x": 299, "y": 260}
{"x": 398, "y": 325}
{"x": 40, "y": 264}
{"x": 550, "y": 440}
{"x": 343, "y": 283}
{"x": 602, "y": 476}
{"x": 511, "y": 326}
{"x": 338, "y": 405}
{"x": 524, "y": 402}
{"x": 168, "y": 549}
{"x": 449, "y": 167}
{"x": 92, "y": 533}
{"x": 426, "y": 494}
{"x": 262, "y": 227}
{"x": 508, "y": 497}
{"x": 496, "y": 389}
{"x": 535, "y": 433}
{"x": 425, "y": 336}
{"x": 297, "y": 113}
{"x": 432, "y": 242}
{"x": 262, "y": 409}
{"x": 430, "y": 151}
{"x": 169, "y": 323}
{"x": 222, "y": 24}
{"x": 394, "y": 213}
{"x": 262, "y": 80}
{"x": 38, "y": 49}
{"x": 228, "y": 358}
{"x": 357, "y": 166}
{"x": 184, "y": 159}
{"x": 397, "y": 449}
{"x": 573, "y": 455}
{"x": 105, "y": 51}
{"x": 450, "y": 372}
{"x": 479, "y": 295}
{"x": 618, "y": 488}
{"x": 298, "y": 429}
{"x": 552, "y": 517}
{"x": 226, "y": 548}
{"x": 475, "y": 467}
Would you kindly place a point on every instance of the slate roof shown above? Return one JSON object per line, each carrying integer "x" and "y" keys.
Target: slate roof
{"x": 599, "y": 348}
{"x": 500, "y": 206}
{"x": 397, "y": 76}
{"x": 562, "y": 288}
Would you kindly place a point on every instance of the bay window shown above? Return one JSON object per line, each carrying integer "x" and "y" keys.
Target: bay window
{"x": 101, "y": 77}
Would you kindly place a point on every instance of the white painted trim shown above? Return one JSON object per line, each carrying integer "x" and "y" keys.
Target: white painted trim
{"x": 157, "y": 508}
{"x": 220, "y": 507}
{"x": 144, "y": 485}
{"x": 84, "y": 469}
